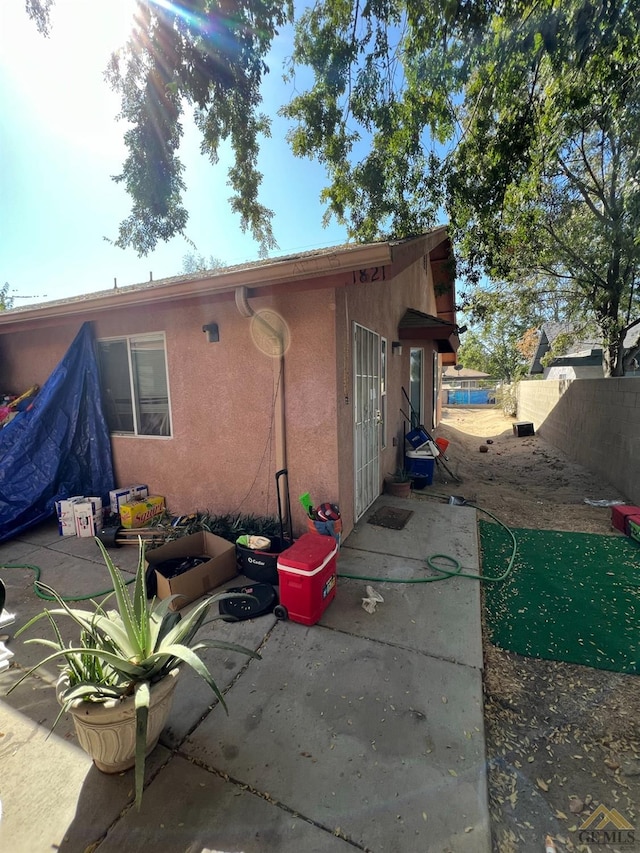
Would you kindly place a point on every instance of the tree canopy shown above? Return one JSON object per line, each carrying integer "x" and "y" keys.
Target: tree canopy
{"x": 519, "y": 120}
{"x": 501, "y": 346}
{"x": 200, "y": 56}
{"x": 193, "y": 262}
{"x": 561, "y": 214}
{"x": 6, "y": 299}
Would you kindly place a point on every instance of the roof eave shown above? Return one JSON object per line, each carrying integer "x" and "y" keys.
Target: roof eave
{"x": 278, "y": 273}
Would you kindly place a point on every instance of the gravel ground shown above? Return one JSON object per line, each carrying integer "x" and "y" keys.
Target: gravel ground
{"x": 562, "y": 740}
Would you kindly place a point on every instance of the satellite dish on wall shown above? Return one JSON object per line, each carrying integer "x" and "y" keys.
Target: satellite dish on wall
{"x": 270, "y": 332}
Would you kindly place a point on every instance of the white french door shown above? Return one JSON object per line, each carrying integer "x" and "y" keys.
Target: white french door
{"x": 366, "y": 396}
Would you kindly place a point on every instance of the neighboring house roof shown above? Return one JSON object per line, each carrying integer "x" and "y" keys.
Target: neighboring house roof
{"x": 580, "y": 350}
{"x": 459, "y": 372}
{"x": 631, "y": 337}
{"x": 548, "y": 333}
{"x": 584, "y": 358}
{"x": 263, "y": 274}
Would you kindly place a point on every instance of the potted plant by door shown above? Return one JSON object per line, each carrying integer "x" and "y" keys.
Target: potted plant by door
{"x": 399, "y": 484}
{"x": 119, "y": 675}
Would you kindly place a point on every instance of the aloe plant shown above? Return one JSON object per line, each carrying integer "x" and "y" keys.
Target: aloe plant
{"x": 401, "y": 475}
{"x": 120, "y": 652}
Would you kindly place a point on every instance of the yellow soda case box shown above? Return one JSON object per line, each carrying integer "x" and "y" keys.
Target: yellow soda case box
{"x": 139, "y": 513}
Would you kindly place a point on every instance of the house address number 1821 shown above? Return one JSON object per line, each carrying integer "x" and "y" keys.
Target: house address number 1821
{"x": 365, "y": 276}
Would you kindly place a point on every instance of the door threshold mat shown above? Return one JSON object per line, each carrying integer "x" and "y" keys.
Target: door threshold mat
{"x": 390, "y": 517}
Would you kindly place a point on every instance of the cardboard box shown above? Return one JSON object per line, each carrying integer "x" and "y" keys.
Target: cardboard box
{"x": 196, "y": 582}
{"x": 65, "y": 510}
{"x": 140, "y": 513}
{"x": 139, "y": 492}
{"x": 85, "y": 519}
{"x": 117, "y": 497}
{"x": 127, "y": 494}
{"x": 98, "y": 512}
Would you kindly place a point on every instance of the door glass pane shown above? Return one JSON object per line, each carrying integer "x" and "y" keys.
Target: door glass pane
{"x": 383, "y": 392}
{"x": 116, "y": 385}
{"x": 436, "y": 389}
{"x": 415, "y": 385}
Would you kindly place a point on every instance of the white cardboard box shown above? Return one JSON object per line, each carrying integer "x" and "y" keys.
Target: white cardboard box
{"x": 127, "y": 494}
{"x": 66, "y": 515}
{"x": 98, "y": 512}
{"x": 117, "y": 497}
{"x": 88, "y": 516}
{"x": 85, "y": 523}
{"x": 139, "y": 492}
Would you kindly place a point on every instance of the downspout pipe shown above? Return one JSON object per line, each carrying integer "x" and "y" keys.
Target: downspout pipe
{"x": 245, "y": 310}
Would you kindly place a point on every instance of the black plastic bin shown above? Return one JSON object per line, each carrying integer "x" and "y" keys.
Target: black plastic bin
{"x": 262, "y": 566}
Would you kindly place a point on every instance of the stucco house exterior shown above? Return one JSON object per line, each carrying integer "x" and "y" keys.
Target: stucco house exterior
{"x": 214, "y": 381}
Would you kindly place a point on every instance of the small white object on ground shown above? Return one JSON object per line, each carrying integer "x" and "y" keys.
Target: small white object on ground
{"x": 373, "y": 598}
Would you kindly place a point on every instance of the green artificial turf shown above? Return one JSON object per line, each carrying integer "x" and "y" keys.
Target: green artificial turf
{"x": 571, "y": 596}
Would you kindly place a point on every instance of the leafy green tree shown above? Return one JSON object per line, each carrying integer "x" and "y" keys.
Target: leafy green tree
{"x": 6, "y": 300}
{"x": 192, "y": 55}
{"x": 522, "y": 307}
{"x": 522, "y": 117}
{"x": 519, "y": 119}
{"x": 494, "y": 349}
{"x": 473, "y": 352}
{"x": 193, "y": 262}
{"x": 564, "y": 215}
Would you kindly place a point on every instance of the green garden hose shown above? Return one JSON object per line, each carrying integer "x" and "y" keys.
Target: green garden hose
{"x": 453, "y": 567}
{"x": 45, "y": 597}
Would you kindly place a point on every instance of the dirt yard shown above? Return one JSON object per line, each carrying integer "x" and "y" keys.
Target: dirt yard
{"x": 561, "y": 739}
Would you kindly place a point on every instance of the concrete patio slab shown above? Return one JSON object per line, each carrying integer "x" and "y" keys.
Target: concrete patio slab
{"x": 202, "y": 812}
{"x": 362, "y": 732}
{"x": 423, "y": 614}
{"x": 434, "y": 528}
{"x": 50, "y": 791}
{"x": 415, "y": 616}
{"x": 195, "y": 698}
{"x": 357, "y": 736}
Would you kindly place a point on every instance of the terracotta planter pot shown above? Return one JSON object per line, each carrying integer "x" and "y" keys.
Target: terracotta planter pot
{"x": 398, "y": 490}
{"x": 107, "y": 730}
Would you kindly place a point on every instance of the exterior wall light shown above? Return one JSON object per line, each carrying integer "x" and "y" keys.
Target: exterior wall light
{"x": 396, "y": 348}
{"x": 213, "y": 334}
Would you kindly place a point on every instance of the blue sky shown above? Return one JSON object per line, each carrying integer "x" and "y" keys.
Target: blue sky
{"x": 60, "y": 143}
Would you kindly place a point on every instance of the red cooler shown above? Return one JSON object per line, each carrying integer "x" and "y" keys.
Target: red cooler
{"x": 619, "y": 515}
{"x": 307, "y": 578}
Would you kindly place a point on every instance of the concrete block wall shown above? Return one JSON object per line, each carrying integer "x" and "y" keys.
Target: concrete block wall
{"x": 596, "y": 422}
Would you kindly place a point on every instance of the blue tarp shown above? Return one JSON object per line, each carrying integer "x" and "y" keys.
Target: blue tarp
{"x": 59, "y": 447}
